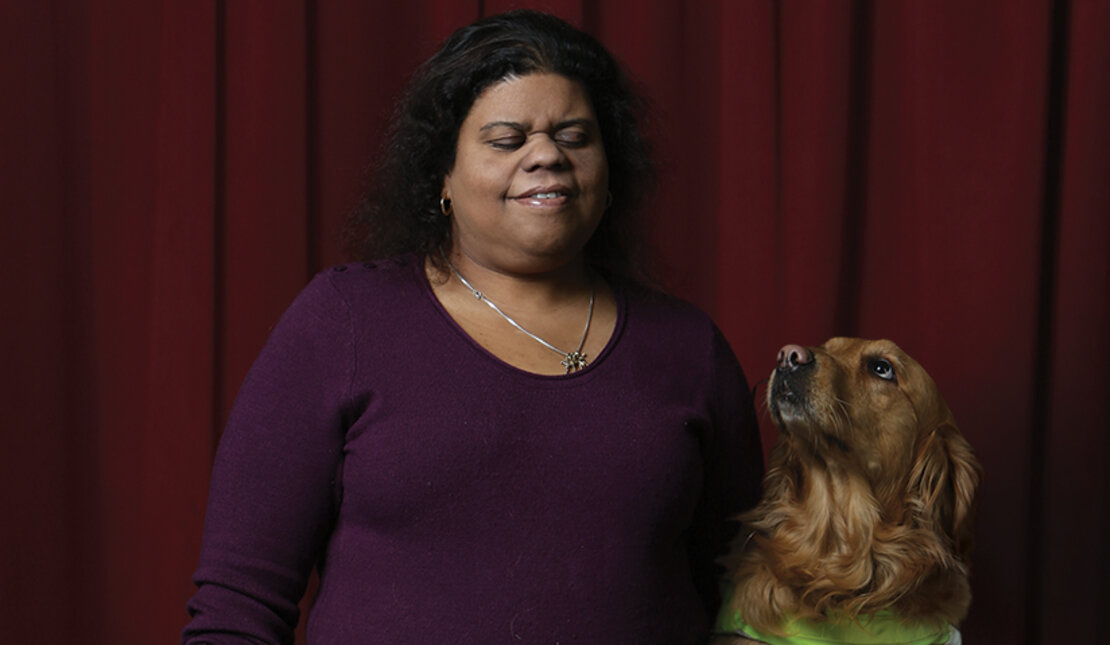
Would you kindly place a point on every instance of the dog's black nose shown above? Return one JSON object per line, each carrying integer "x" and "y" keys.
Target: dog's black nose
{"x": 791, "y": 357}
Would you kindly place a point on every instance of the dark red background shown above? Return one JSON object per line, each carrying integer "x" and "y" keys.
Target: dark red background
{"x": 173, "y": 172}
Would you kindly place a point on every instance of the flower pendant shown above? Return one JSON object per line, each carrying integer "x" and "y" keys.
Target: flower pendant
{"x": 574, "y": 361}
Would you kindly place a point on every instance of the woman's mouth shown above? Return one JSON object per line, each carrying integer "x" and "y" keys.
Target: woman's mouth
{"x": 547, "y": 196}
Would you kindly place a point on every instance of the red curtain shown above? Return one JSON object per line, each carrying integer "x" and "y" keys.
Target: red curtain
{"x": 173, "y": 172}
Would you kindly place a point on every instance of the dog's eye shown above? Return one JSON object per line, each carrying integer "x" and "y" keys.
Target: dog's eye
{"x": 882, "y": 368}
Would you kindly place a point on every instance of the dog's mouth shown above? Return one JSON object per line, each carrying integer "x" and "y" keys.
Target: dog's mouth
{"x": 786, "y": 398}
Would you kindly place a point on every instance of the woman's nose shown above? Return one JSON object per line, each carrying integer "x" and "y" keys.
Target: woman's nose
{"x": 543, "y": 152}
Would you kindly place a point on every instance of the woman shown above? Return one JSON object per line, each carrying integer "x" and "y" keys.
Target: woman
{"x": 486, "y": 432}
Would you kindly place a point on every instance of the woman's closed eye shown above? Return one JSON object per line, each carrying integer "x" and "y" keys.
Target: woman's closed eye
{"x": 572, "y": 138}
{"x": 568, "y": 138}
{"x": 507, "y": 143}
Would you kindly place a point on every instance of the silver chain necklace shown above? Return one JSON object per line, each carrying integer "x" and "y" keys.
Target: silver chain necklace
{"x": 573, "y": 361}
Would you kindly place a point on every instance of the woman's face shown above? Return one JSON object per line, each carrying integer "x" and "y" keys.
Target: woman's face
{"x": 530, "y": 179}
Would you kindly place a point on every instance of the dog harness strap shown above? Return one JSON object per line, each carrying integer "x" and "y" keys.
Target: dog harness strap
{"x": 880, "y": 628}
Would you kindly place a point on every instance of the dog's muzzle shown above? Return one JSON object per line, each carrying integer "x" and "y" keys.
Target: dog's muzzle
{"x": 790, "y": 382}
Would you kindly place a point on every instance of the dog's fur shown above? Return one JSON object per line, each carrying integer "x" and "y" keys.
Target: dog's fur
{"x": 868, "y": 497}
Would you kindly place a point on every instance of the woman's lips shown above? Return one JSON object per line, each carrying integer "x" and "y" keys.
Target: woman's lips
{"x": 547, "y": 196}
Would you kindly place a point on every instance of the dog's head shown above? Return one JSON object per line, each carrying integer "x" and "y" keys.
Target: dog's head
{"x": 868, "y": 407}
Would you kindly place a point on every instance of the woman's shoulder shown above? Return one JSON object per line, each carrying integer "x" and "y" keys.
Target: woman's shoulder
{"x": 652, "y": 305}
{"x": 358, "y": 289}
{"x": 373, "y": 280}
{"x": 656, "y": 322}
{"x": 384, "y": 272}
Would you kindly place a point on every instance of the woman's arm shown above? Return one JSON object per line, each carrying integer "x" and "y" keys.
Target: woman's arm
{"x": 733, "y": 459}
{"x": 274, "y": 491}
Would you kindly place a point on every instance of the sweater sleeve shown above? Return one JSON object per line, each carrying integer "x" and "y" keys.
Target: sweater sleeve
{"x": 274, "y": 480}
{"x": 733, "y": 462}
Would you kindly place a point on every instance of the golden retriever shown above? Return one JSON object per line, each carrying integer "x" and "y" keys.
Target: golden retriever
{"x": 867, "y": 501}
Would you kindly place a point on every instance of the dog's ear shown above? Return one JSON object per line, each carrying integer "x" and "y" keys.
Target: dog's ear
{"x": 942, "y": 485}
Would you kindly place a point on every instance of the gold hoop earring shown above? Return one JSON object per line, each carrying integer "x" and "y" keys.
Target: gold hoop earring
{"x": 445, "y": 206}
{"x": 609, "y": 201}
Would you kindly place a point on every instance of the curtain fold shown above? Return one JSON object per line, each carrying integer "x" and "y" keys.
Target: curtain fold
{"x": 1073, "y": 560}
{"x": 172, "y": 174}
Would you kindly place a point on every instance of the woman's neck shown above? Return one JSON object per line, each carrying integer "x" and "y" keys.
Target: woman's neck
{"x": 522, "y": 290}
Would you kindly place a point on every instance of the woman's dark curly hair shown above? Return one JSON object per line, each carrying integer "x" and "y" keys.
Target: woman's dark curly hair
{"x": 400, "y": 211}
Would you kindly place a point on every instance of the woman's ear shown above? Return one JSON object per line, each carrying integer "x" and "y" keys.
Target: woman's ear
{"x": 445, "y": 205}
{"x": 943, "y": 482}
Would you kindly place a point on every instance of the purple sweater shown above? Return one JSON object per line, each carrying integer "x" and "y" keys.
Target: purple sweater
{"x": 448, "y": 497}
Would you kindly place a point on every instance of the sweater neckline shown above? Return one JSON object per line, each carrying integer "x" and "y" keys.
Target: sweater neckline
{"x": 421, "y": 277}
